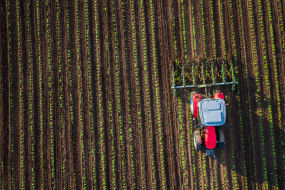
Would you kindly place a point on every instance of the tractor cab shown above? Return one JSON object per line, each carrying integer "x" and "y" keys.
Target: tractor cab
{"x": 212, "y": 112}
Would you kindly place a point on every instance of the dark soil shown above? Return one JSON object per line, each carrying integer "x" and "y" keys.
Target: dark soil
{"x": 86, "y": 98}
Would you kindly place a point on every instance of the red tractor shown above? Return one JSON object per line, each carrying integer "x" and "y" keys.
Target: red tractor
{"x": 208, "y": 111}
{"x": 208, "y": 114}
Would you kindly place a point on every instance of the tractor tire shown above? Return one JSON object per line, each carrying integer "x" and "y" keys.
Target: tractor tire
{"x": 221, "y": 142}
{"x": 191, "y": 102}
{"x": 197, "y": 140}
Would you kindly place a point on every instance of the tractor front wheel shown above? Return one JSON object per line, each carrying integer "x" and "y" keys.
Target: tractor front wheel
{"x": 191, "y": 102}
{"x": 197, "y": 140}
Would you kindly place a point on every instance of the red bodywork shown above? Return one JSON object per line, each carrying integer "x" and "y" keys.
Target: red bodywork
{"x": 219, "y": 95}
{"x": 196, "y": 99}
{"x": 210, "y": 137}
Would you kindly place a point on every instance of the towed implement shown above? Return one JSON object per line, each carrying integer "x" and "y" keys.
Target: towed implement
{"x": 208, "y": 110}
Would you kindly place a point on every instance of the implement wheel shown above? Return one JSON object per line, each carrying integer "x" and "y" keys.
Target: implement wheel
{"x": 197, "y": 140}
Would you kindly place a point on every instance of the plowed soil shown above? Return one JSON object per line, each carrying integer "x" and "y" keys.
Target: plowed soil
{"x": 86, "y": 99}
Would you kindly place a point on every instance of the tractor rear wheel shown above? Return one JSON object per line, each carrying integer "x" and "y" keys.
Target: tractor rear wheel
{"x": 221, "y": 142}
{"x": 191, "y": 102}
{"x": 197, "y": 140}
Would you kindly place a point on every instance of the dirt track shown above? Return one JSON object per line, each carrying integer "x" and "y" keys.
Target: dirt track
{"x": 88, "y": 100}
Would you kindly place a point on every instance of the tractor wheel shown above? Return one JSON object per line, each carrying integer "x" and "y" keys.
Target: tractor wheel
{"x": 197, "y": 140}
{"x": 191, "y": 102}
{"x": 221, "y": 142}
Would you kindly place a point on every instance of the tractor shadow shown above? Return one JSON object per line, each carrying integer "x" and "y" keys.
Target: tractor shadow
{"x": 253, "y": 154}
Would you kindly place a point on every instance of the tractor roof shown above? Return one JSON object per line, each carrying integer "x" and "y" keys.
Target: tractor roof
{"x": 212, "y": 112}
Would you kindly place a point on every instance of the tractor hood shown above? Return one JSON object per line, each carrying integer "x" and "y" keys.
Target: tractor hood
{"x": 212, "y": 112}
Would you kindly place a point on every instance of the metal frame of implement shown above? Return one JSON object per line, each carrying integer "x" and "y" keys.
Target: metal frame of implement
{"x": 202, "y": 66}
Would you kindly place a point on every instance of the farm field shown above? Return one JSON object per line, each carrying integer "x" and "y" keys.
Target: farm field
{"x": 86, "y": 99}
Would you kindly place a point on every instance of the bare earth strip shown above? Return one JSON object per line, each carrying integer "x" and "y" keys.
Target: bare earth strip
{"x": 143, "y": 96}
{"x": 273, "y": 95}
{"x": 76, "y": 128}
{"x": 114, "y": 95}
{"x": 176, "y": 127}
{"x": 15, "y": 89}
{"x": 45, "y": 97}
{"x": 200, "y": 55}
{"x": 6, "y": 96}
{"x": 158, "y": 9}
{"x": 105, "y": 94}
{"x": 26, "y": 99}
{"x": 1, "y": 107}
{"x": 56, "y": 101}
{"x": 250, "y": 129}
{"x": 97, "y": 118}
{"x": 36, "y": 94}
{"x": 152, "y": 94}
{"x": 123, "y": 94}
{"x": 190, "y": 56}
{"x": 279, "y": 55}
{"x": 68, "y": 182}
{"x": 85, "y": 96}
{"x": 239, "y": 43}
{"x": 133, "y": 94}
